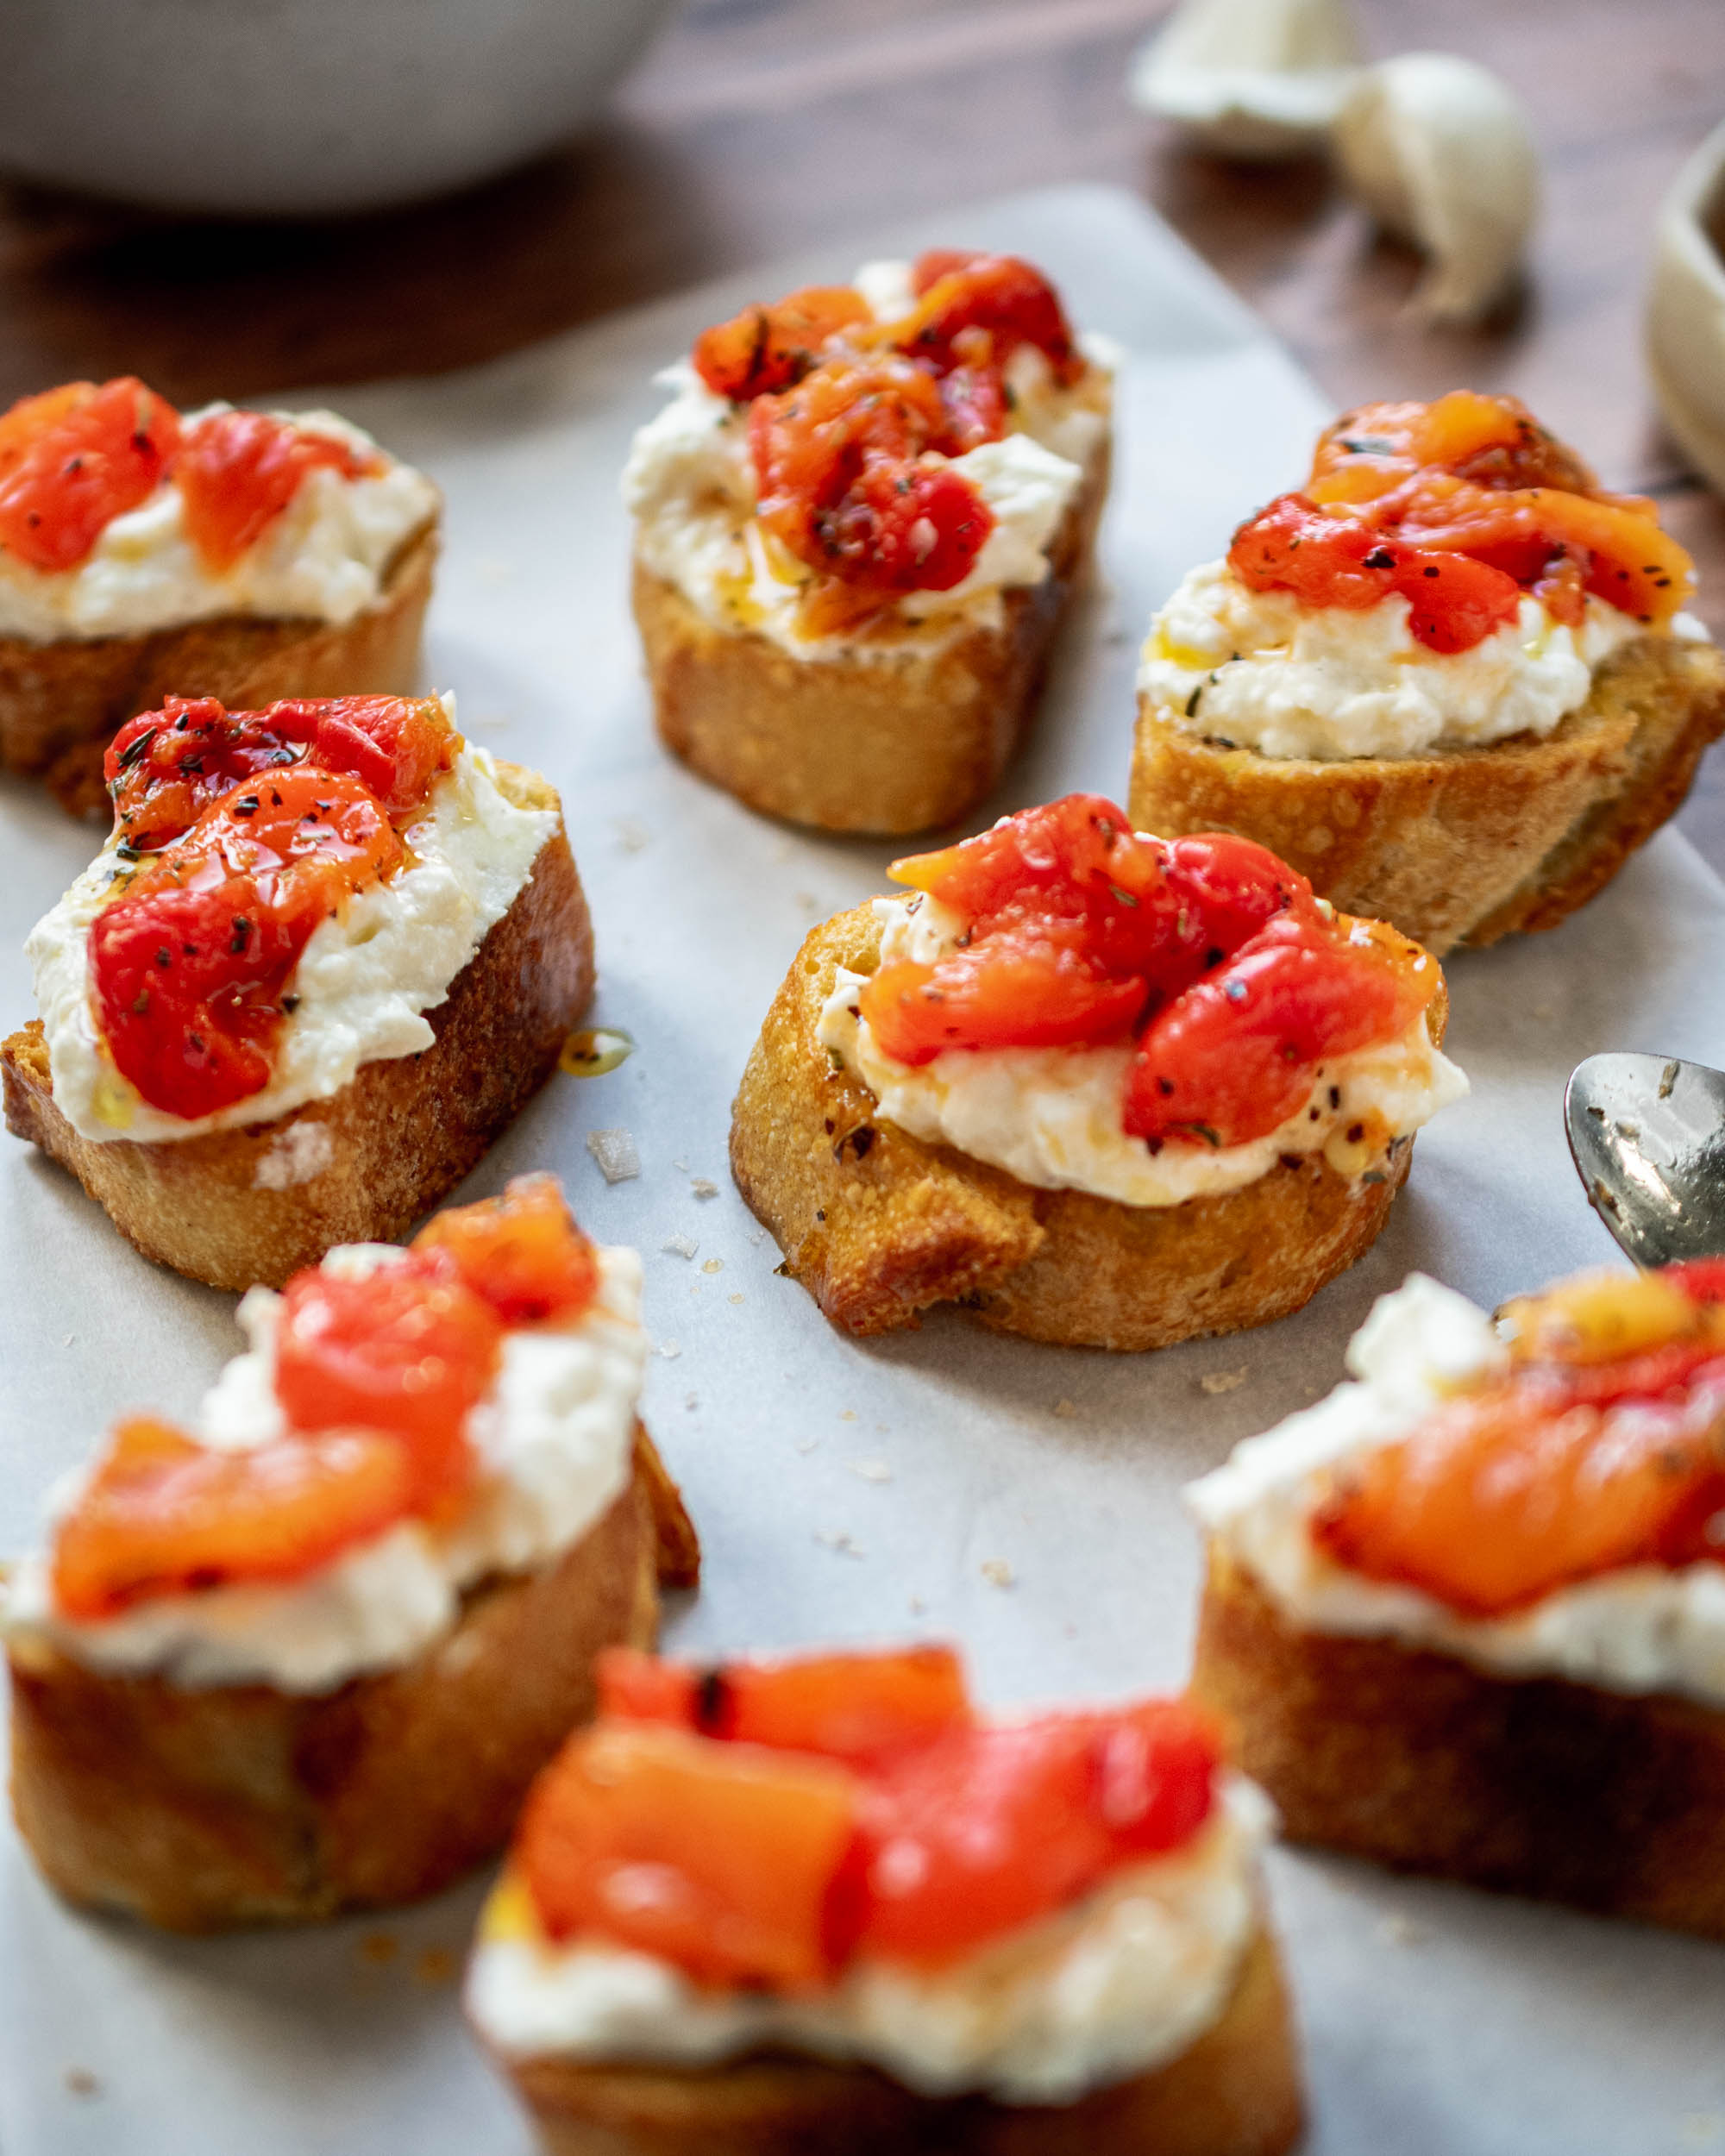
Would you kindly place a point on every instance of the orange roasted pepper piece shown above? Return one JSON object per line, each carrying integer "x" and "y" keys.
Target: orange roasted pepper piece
{"x": 522, "y": 1253}
{"x": 72, "y": 460}
{"x": 163, "y": 1514}
{"x": 724, "y": 1858}
{"x": 239, "y": 470}
{"x": 857, "y": 1707}
{"x": 1604, "y": 1446}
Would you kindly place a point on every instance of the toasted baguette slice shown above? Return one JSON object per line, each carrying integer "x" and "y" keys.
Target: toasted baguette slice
{"x": 255, "y": 1203}
{"x": 1475, "y": 844}
{"x": 1531, "y": 1786}
{"x": 61, "y": 704}
{"x": 196, "y": 1810}
{"x": 902, "y": 740}
{"x": 1234, "y": 2092}
{"x": 878, "y": 1225}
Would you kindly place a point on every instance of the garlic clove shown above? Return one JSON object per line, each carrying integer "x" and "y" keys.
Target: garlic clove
{"x": 1259, "y": 78}
{"x": 1686, "y": 309}
{"x": 1440, "y": 152}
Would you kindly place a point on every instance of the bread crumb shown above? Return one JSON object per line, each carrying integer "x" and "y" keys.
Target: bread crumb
{"x": 632, "y": 835}
{"x": 681, "y": 1246}
{"x": 80, "y": 2082}
{"x": 297, "y": 1155}
{"x": 435, "y": 1965}
{"x": 838, "y": 1539}
{"x": 997, "y": 1572}
{"x": 1699, "y": 2130}
{"x": 704, "y": 1187}
{"x": 615, "y": 1152}
{"x": 713, "y": 1265}
{"x": 668, "y": 1348}
{"x": 377, "y": 1948}
{"x": 737, "y": 1298}
{"x": 1221, "y": 1380}
{"x": 694, "y": 1400}
{"x": 847, "y": 1414}
{"x": 870, "y": 1470}
{"x": 918, "y": 1607}
{"x": 1066, "y": 1409}
{"x": 807, "y": 1444}
{"x": 1545, "y": 1010}
{"x": 1401, "y": 1931}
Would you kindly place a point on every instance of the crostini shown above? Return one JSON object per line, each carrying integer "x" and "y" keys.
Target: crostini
{"x": 824, "y": 1904}
{"x": 1449, "y": 679}
{"x": 309, "y": 1655}
{"x": 146, "y": 553}
{"x": 1096, "y": 1087}
{"x": 328, "y": 952}
{"x": 856, "y": 529}
{"x": 1467, "y": 1615}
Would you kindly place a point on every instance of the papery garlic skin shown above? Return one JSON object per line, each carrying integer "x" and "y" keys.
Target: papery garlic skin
{"x": 1686, "y": 312}
{"x": 1440, "y": 151}
{"x": 1258, "y": 78}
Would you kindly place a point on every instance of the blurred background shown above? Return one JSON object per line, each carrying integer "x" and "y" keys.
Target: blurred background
{"x": 751, "y": 127}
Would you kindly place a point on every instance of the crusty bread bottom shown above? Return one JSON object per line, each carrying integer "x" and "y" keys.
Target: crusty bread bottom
{"x": 1530, "y": 1786}
{"x": 198, "y": 1809}
{"x": 901, "y": 741}
{"x": 1470, "y": 845}
{"x": 235, "y": 1207}
{"x": 878, "y": 1225}
{"x": 61, "y": 704}
{"x": 1234, "y": 2092}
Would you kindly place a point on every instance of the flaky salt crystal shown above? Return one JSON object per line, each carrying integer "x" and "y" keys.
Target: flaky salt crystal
{"x": 615, "y": 1152}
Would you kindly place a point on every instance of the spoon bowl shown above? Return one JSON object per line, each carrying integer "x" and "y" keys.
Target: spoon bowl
{"x": 1647, "y": 1136}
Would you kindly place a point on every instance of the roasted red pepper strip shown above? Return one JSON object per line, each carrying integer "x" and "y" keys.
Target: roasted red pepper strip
{"x": 1566, "y": 1467}
{"x": 750, "y": 1859}
{"x": 75, "y": 459}
{"x": 1208, "y": 952}
{"x": 1460, "y": 506}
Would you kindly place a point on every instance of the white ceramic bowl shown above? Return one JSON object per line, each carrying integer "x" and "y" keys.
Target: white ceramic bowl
{"x": 1686, "y": 309}
{"x": 301, "y": 107}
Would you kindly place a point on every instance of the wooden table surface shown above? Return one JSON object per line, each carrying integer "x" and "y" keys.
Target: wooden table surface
{"x": 757, "y": 126}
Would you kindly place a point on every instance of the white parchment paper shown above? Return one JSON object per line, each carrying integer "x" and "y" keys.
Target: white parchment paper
{"x": 1021, "y": 1499}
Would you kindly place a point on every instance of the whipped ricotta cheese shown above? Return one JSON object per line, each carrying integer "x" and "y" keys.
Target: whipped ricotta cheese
{"x": 689, "y": 484}
{"x": 1052, "y": 1116}
{"x": 364, "y": 980}
{"x": 1117, "y": 1985}
{"x": 1260, "y": 670}
{"x": 323, "y": 559}
{"x": 553, "y": 1437}
{"x": 1641, "y": 1628}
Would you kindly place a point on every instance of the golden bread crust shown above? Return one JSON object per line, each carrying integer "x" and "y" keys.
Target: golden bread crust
{"x": 884, "y": 744}
{"x": 198, "y": 1809}
{"x": 401, "y": 1134}
{"x": 878, "y": 1225}
{"x": 60, "y": 704}
{"x": 1531, "y": 1786}
{"x": 1472, "y": 844}
{"x": 1234, "y": 2092}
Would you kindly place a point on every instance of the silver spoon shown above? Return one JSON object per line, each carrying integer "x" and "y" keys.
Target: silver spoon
{"x": 1647, "y": 1136}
